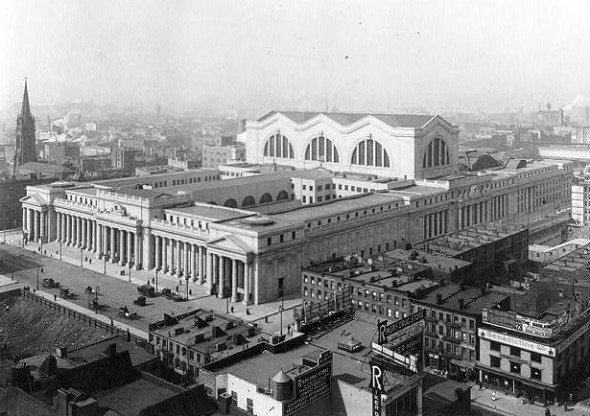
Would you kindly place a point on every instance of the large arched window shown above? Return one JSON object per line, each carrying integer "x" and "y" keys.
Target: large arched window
{"x": 370, "y": 153}
{"x": 437, "y": 154}
{"x": 279, "y": 146}
{"x": 321, "y": 148}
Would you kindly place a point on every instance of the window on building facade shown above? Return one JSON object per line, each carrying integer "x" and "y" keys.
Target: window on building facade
{"x": 536, "y": 373}
{"x": 514, "y": 367}
{"x": 370, "y": 153}
{"x": 495, "y": 346}
{"x": 279, "y": 146}
{"x": 515, "y": 352}
{"x": 494, "y": 361}
{"x": 322, "y": 149}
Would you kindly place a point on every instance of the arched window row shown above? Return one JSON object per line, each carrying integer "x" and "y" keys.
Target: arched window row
{"x": 437, "y": 154}
{"x": 279, "y": 146}
{"x": 370, "y": 153}
{"x": 322, "y": 148}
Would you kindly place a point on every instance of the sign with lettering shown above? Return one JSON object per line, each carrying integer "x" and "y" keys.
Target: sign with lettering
{"x": 410, "y": 346}
{"x": 309, "y": 388}
{"x": 377, "y": 387}
{"x": 516, "y": 342}
{"x": 384, "y": 330}
{"x": 410, "y": 361}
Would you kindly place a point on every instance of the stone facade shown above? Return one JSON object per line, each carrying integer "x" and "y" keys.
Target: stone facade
{"x": 244, "y": 237}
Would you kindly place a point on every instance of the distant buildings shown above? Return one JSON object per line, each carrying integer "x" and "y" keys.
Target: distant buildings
{"x": 213, "y": 156}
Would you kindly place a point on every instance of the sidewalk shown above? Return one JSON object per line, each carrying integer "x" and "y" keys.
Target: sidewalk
{"x": 198, "y": 293}
{"x": 512, "y": 406}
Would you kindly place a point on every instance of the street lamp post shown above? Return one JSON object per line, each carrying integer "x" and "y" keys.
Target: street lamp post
{"x": 304, "y": 312}
{"x": 37, "y": 277}
{"x": 186, "y": 281}
{"x": 281, "y": 308}
{"x": 156, "y": 280}
{"x": 60, "y": 249}
{"x": 81, "y": 255}
{"x": 104, "y": 257}
{"x": 129, "y": 264}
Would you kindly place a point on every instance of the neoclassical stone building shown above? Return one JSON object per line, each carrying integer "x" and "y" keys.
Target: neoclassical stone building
{"x": 245, "y": 238}
{"x": 404, "y": 146}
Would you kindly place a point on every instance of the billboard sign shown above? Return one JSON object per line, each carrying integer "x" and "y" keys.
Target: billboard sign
{"x": 310, "y": 387}
{"x": 384, "y": 330}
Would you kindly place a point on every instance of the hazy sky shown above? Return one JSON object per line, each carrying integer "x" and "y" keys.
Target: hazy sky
{"x": 297, "y": 54}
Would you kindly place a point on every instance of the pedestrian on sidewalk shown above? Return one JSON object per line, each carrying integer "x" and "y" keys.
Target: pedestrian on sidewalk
{"x": 547, "y": 412}
{"x": 480, "y": 385}
{"x": 565, "y": 405}
{"x": 232, "y": 309}
{"x": 90, "y": 261}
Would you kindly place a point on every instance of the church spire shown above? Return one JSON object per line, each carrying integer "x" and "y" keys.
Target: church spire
{"x": 25, "y": 111}
{"x": 26, "y": 150}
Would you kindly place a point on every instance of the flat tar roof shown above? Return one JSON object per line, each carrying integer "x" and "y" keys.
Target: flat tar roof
{"x": 262, "y": 367}
{"x": 338, "y": 207}
{"x": 131, "y": 398}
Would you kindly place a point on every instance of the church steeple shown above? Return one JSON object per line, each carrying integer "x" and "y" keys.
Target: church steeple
{"x": 26, "y": 150}
{"x": 25, "y": 111}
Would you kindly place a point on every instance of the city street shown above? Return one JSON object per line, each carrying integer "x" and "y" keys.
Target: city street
{"x": 116, "y": 290}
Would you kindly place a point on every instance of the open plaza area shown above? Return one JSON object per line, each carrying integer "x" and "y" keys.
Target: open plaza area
{"x": 31, "y": 264}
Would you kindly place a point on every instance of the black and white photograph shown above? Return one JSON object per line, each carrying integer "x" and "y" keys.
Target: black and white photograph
{"x": 294, "y": 208}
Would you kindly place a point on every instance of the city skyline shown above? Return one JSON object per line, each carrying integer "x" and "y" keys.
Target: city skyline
{"x": 298, "y": 55}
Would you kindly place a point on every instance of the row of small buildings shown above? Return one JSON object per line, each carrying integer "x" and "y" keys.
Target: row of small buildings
{"x": 524, "y": 336}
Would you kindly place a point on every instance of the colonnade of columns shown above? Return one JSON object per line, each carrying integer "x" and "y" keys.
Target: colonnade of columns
{"x": 119, "y": 245}
{"x": 36, "y": 223}
{"x": 225, "y": 276}
{"x": 436, "y": 224}
{"x": 483, "y": 211}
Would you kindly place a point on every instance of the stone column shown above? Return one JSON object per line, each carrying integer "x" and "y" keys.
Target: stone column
{"x": 79, "y": 232}
{"x": 130, "y": 247}
{"x": 158, "y": 248}
{"x": 194, "y": 254}
{"x": 178, "y": 258}
{"x": 187, "y": 253}
{"x": 221, "y": 277}
{"x": 68, "y": 221}
{"x": 112, "y": 245}
{"x": 234, "y": 280}
{"x": 202, "y": 261}
{"x": 171, "y": 255}
{"x": 138, "y": 253}
{"x": 246, "y": 300}
{"x": 35, "y": 226}
{"x": 58, "y": 229}
{"x": 164, "y": 253}
{"x": 210, "y": 270}
{"x": 83, "y": 232}
{"x": 99, "y": 239}
{"x": 122, "y": 247}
